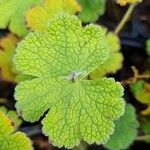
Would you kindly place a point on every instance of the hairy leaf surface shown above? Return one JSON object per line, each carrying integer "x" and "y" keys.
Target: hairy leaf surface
{"x": 60, "y": 59}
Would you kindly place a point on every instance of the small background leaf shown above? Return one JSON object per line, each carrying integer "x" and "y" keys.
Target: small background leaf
{"x": 12, "y": 15}
{"x": 37, "y": 17}
{"x": 8, "y": 45}
{"x": 11, "y": 140}
{"x": 125, "y": 130}
{"x": 12, "y": 115}
{"x": 91, "y": 10}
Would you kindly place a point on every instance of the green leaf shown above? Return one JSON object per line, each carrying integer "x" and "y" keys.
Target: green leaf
{"x": 12, "y": 14}
{"x": 114, "y": 62}
{"x": 61, "y": 58}
{"x": 141, "y": 89}
{"x": 125, "y": 130}
{"x": 148, "y": 46}
{"x": 91, "y": 10}
{"x": 38, "y": 16}
{"x": 11, "y": 140}
{"x": 12, "y": 115}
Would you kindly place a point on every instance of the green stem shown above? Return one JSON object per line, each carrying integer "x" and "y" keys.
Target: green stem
{"x": 143, "y": 137}
{"x": 125, "y": 18}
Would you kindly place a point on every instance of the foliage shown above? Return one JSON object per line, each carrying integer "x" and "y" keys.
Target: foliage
{"x": 60, "y": 59}
{"x": 12, "y": 14}
{"x": 7, "y": 49}
{"x": 125, "y": 2}
{"x": 12, "y": 115}
{"x": 141, "y": 91}
{"x": 38, "y": 16}
{"x": 9, "y": 139}
{"x": 114, "y": 62}
{"x": 91, "y": 10}
{"x": 148, "y": 47}
{"x": 125, "y": 130}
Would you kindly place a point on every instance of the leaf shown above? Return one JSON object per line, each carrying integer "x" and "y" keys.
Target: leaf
{"x": 125, "y": 130}
{"x": 148, "y": 47}
{"x": 114, "y": 62}
{"x": 61, "y": 58}
{"x": 12, "y": 115}
{"x": 38, "y": 16}
{"x": 7, "y": 49}
{"x": 91, "y": 10}
{"x": 141, "y": 91}
{"x": 125, "y": 2}
{"x": 12, "y": 14}
{"x": 10, "y": 140}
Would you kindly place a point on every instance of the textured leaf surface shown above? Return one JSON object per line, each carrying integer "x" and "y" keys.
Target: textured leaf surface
{"x": 114, "y": 62}
{"x": 61, "y": 58}
{"x": 125, "y": 130}
{"x": 125, "y": 2}
{"x": 7, "y": 49}
{"x": 91, "y": 10}
{"x": 12, "y": 115}
{"x": 141, "y": 91}
{"x": 10, "y": 140}
{"x": 12, "y": 14}
{"x": 37, "y": 17}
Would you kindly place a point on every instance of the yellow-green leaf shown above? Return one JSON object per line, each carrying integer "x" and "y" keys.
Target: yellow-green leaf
{"x": 141, "y": 91}
{"x": 12, "y": 115}
{"x": 9, "y": 139}
{"x": 37, "y": 17}
{"x": 125, "y": 2}
{"x": 12, "y": 15}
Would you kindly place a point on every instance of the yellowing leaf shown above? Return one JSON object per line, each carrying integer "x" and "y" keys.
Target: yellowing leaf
{"x": 12, "y": 115}
{"x": 141, "y": 91}
{"x": 37, "y": 17}
{"x": 114, "y": 62}
{"x": 7, "y": 49}
{"x": 9, "y": 139}
{"x": 124, "y": 2}
{"x": 12, "y": 15}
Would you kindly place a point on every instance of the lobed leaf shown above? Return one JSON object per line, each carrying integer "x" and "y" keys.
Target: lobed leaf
{"x": 38, "y": 16}
{"x": 60, "y": 60}
{"x": 13, "y": 13}
{"x": 114, "y": 62}
{"x": 91, "y": 10}
{"x": 125, "y": 130}
{"x": 10, "y": 140}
